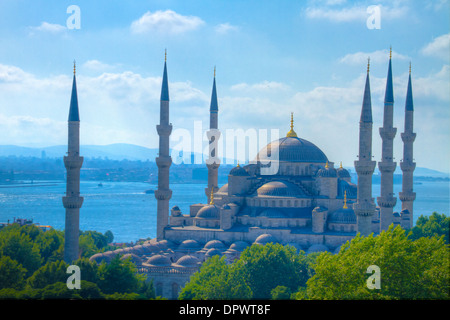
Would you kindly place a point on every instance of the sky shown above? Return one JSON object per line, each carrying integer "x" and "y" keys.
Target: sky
{"x": 271, "y": 58}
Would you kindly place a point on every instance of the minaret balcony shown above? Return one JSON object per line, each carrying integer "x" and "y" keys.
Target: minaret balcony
{"x": 365, "y": 167}
{"x": 163, "y": 162}
{"x": 163, "y": 194}
{"x": 387, "y": 202}
{"x": 388, "y": 133}
{"x": 387, "y": 167}
{"x": 407, "y": 166}
{"x": 408, "y": 137}
{"x": 72, "y": 202}
{"x": 73, "y": 162}
{"x": 407, "y": 196}
{"x": 164, "y": 129}
{"x": 365, "y": 208}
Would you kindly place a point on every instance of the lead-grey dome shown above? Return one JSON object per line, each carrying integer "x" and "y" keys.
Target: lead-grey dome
{"x": 209, "y": 212}
{"x": 345, "y": 216}
{"x": 279, "y": 189}
{"x": 292, "y": 149}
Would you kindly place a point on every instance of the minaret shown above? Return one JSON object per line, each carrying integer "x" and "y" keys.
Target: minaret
{"x": 213, "y": 134}
{"x": 164, "y": 160}
{"x": 365, "y": 207}
{"x": 387, "y": 201}
{"x": 73, "y": 162}
{"x": 407, "y": 196}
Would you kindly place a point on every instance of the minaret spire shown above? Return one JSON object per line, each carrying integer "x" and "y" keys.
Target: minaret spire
{"x": 72, "y": 201}
{"x": 407, "y": 196}
{"x": 164, "y": 160}
{"x": 364, "y": 206}
{"x": 292, "y": 133}
{"x": 387, "y": 201}
{"x": 213, "y": 162}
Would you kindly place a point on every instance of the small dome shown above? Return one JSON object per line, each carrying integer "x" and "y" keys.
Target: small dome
{"x": 99, "y": 257}
{"x": 150, "y": 248}
{"x": 159, "y": 261}
{"x": 223, "y": 189}
{"x": 212, "y": 252}
{"x": 238, "y": 171}
{"x": 209, "y": 212}
{"x": 272, "y": 213}
{"x": 214, "y": 244}
{"x": 297, "y": 246}
{"x": 317, "y": 248}
{"x": 265, "y": 238}
{"x": 346, "y": 216}
{"x": 327, "y": 172}
{"x": 188, "y": 261}
{"x": 134, "y": 258}
{"x": 239, "y": 246}
{"x": 279, "y": 189}
{"x": 342, "y": 173}
{"x": 139, "y": 249}
{"x": 189, "y": 245}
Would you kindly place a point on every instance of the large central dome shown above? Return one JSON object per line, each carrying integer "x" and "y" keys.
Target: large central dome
{"x": 292, "y": 149}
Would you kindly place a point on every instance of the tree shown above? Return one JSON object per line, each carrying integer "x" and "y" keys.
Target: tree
{"x": 253, "y": 276}
{"x": 19, "y": 247}
{"x": 280, "y": 293}
{"x": 265, "y": 267}
{"x": 119, "y": 276}
{"x": 12, "y": 274}
{"x": 409, "y": 269}
{"x": 434, "y": 225}
{"x": 49, "y": 273}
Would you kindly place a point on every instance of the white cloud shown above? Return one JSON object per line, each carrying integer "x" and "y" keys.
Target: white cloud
{"x": 168, "y": 22}
{"x": 96, "y": 65}
{"x": 49, "y": 27}
{"x": 265, "y": 86}
{"x": 225, "y": 28}
{"x": 439, "y": 47}
{"x": 378, "y": 56}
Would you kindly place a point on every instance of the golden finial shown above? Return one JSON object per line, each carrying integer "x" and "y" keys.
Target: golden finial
{"x": 410, "y": 67}
{"x": 74, "y": 67}
{"x": 165, "y": 55}
{"x": 212, "y": 196}
{"x": 238, "y": 164}
{"x": 368, "y": 64}
{"x": 390, "y": 52}
{"x": 326, "y": 165}
{"x": 214, "y": 71}
{"x": 340, "y": 165}
{"x": 345, "y": 200}
{"x": 291, "y": 133}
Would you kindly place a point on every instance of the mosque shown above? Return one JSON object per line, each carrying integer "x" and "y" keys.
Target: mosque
{"x": 307, "y": 202}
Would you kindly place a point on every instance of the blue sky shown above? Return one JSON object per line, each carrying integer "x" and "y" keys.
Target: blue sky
{"x": 272, "y": 58}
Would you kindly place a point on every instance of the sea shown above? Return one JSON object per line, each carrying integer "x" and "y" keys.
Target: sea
{"x": 129, "y": 212}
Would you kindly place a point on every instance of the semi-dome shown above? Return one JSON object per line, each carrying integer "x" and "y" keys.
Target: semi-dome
{"x": 212, "y": 252}
{"x": 223, "y": 189}
{"x": 209, "y": 212}
{"x": 327, "y": 172}
{"x": 292, "y": 149}
{"x": 279, "y": 189}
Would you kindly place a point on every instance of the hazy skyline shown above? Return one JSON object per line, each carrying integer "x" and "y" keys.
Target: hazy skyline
{"x": 272, "y": 58}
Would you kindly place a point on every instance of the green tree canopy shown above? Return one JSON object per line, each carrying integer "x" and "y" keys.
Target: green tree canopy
{"x": 409, "y": 269}
{"x": 435, "y": 225}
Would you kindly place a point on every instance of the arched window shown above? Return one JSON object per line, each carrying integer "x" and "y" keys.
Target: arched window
{"x": 159, "y": 289}
{"x": 175, "y": 289}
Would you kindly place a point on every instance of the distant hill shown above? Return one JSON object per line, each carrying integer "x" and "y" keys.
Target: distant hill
{"x": 120, "y": 151}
